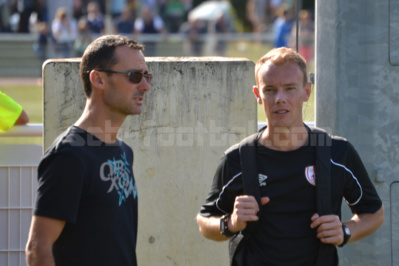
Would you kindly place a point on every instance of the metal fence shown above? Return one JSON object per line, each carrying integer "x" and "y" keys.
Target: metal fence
{"x": 17, "y": 186}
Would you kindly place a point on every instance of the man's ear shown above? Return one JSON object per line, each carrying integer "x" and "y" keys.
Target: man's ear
{"x": 257, "y": 94}
{"x": 96, "y": 79}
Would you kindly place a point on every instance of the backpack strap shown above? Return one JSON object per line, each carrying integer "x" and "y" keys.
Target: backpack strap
{"x": 249, "y": 171}
{"x": 323, "y": 142}
{"x": 247, "y": 149}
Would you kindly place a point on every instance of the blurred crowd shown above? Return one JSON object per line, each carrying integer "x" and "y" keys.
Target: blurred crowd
{"x": 280, "y": 18}
{"x": 72, "y": 28}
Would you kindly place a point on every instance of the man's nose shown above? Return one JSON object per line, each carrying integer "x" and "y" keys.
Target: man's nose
{"x": 144, "y": 85}
{"x": 280, "y": 96}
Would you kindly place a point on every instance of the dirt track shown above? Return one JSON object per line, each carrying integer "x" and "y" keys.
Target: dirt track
{"x": 4, "y": 81}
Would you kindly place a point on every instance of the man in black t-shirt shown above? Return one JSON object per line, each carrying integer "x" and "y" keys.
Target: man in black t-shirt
{"x": 86, "y": 207}
{"x": 290, "y": 231}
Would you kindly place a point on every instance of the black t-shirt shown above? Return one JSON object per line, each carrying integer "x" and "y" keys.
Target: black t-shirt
{"x": 284, "y": 236}
{"x": 90, "y": 185}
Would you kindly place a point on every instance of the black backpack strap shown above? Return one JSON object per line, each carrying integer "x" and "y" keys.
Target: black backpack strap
{"x": 247, "y": 148}
{"x": 323, "y": 142}
{"x": 249, "y": 171}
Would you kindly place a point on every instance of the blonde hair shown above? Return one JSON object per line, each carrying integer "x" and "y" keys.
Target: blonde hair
{"x": 281, "y": 56}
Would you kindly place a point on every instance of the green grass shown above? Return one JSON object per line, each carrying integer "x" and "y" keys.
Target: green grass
{"x": 246, "y": 49}
{"x": 30, "y": 98}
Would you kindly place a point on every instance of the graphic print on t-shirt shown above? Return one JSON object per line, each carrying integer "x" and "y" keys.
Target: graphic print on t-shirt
{"x": 310, "y": 175}
{"x": 120, "y": 175}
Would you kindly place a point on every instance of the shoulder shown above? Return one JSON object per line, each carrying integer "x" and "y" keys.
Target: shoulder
{"x": 341, "y": 149}
{"x": 232, "y": 155}
{"x": 321, "y": 136}
{"x": 125, "y": 147}
{"x": 233, "y": 152}
{"x": 72, "y": 142}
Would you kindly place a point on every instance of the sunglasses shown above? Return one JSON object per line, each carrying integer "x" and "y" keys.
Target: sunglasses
{"x": 134, "y": 76}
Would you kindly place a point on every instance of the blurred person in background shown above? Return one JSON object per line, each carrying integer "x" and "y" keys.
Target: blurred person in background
{"x": 78, "y": 8}
{"x": 175, "y": 15}
{"x": 222, "y": 26}
{"x": 25, "y": 8}
{"x": 41, "y": 44}
{"x": 5, "y": 14}
{"x": 83, "y": 38}
{"x": 261, "y": 14}
{"x": 64, "y": 32}
{"x": 305, "y": 35}
{"x": 195, "y": 30}
{"x": 117, "y": 7}
{"x": 282, "y": 27}
{"x": 148, "y": 23}
{"x": 133, "y": 6}
{"x": 11, "y": 113}
{"x": 95, "y": 18}
{"x": 125, "y": 23}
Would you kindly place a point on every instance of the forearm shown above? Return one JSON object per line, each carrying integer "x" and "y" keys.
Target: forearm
{"x": 43, "y": 233}
{"x": 23, "y": 119}
{"x": 209, "y": 227}
{"x": 364, "y": 224}
{"x": 37, "y": 255}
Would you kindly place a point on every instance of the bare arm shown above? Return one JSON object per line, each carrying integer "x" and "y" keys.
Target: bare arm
{"x": 245, "y": 210}
{"x": 209, "y": 227}
{"x": 42, "y": 235}
{"x": 23, "y": 119}
{"x": 329, "y": 228}
{"x": 364, "y": 224}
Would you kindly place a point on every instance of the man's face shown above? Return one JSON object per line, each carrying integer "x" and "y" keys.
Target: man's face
{"x": 121, "y": 95}
{"x": 282, "y": 92}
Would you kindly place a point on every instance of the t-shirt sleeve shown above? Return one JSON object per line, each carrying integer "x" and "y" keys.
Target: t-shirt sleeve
{"x": 359, "y": 192}
{"x": 226, "y": 186}
{"x": 61, "y": 182}
{"x": 9, "y": 112}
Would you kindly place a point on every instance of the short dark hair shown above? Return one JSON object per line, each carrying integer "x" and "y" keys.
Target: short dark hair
{"x": 100, "y": 54}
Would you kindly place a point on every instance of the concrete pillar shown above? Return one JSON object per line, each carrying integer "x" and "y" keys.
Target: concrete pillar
{"x": 357, "y": 97}
{"x": 197, "y": 107}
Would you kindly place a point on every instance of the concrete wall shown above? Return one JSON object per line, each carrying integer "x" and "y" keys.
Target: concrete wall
{"x": 357, "y": 97}
{"x": 197, "y": 107}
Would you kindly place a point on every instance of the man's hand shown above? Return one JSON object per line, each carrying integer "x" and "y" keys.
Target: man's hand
{"x": 329, "y": 229}
{"x": 245, "y": 210}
